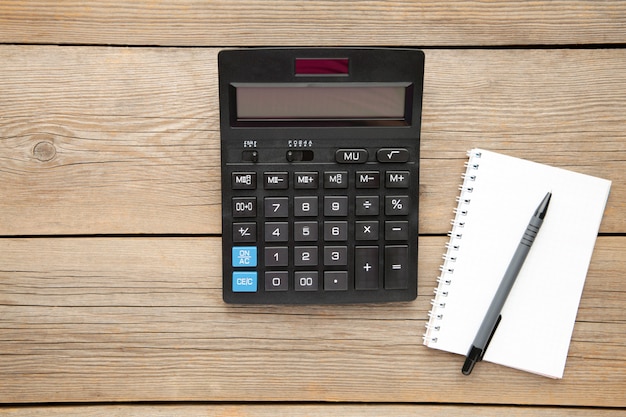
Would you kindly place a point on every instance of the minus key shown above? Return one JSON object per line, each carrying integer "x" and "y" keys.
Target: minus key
{"x": 397, "y": 230}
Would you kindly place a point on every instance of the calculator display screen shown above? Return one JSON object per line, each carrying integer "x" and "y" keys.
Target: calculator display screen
{"x": 305, "y": 102}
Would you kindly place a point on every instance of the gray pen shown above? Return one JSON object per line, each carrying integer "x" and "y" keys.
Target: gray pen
{"x": 493, "y": 316}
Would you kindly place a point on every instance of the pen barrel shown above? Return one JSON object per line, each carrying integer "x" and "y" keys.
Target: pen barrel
{"x": 493, "y": 312}
{"x": 493, "y": 316}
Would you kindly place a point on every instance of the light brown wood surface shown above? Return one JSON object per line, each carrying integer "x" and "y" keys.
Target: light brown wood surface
{"x": 130, "y": 137}
{"x": 352, "y": 410}
{"x": 312, "y": 23}
{"x": 121, "y": 319}
{"x": 110, "y": 257}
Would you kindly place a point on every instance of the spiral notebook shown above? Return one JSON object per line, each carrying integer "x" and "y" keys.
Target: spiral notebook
{"x": 498, "y": 196}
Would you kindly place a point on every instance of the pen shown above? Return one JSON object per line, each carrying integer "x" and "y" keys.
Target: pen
{"x": 493, "y": 316}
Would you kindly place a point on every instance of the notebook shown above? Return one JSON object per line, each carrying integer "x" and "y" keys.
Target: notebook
{"x": 498, "y": 196}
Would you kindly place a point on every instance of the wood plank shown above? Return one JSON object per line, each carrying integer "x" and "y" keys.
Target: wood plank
{"x": 141, "y": 319}
{"x": 116, "y": 140}
{"x": 352, "y": 410}
{"x": 107, "y": 140}
{"x": 315, "y": 23}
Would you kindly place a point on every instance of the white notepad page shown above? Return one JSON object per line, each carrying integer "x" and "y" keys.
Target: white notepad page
{"x": 499, "y": 195}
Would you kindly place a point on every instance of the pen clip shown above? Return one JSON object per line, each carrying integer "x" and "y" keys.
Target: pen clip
{"x": 491, "y": 336}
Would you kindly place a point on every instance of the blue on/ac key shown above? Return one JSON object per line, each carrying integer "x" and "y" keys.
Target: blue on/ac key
{"x": 244, "y": 256}
{"x": 244, "y": 281}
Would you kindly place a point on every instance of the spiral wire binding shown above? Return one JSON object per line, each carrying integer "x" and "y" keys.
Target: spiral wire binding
{"x": 446, "y": 277}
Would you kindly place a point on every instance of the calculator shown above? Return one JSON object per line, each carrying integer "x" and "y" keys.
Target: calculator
{"x": 320, "y": 174}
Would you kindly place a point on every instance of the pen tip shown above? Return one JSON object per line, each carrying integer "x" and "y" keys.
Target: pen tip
{"x": 543, "y": 206}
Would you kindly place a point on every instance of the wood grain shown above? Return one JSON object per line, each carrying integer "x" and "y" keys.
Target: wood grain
{"x": 135, "y": 138}
{"x": 125, "y": 140}
{"x": 352, "y": 410}
{"x": 314, "y": 23}
{"x": 103, "y": 140}
{"x": 141, "y": 319}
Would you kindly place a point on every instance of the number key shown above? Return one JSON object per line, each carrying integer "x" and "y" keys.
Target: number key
{"x": 305, "y": 206}
{"x": 336, "y": 205}
{"x": 335, "y": 255}
{"x": 276, "y": 231}
{"x": 276, "y": 206}
{"x": 306, "y": 281}
{"x": 276, "y": 256}
{"x": 335, "y": 231}
{"x": 305, "y": 255}
{"x": 305, "y": 231}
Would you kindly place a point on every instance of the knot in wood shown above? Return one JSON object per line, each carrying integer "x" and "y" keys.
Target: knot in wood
{"x": 44, "y": 151}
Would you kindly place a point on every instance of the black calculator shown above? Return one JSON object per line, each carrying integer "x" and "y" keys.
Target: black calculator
{"x": 320, "y": 174}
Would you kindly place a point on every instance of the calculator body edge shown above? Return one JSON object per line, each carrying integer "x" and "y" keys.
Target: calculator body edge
{"x": 330, "y": 159}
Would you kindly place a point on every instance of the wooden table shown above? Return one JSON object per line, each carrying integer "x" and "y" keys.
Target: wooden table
{"x": 110, "y": 286}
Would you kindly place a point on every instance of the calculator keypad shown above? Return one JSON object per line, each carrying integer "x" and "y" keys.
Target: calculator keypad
{"x": 324, "y": 230}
